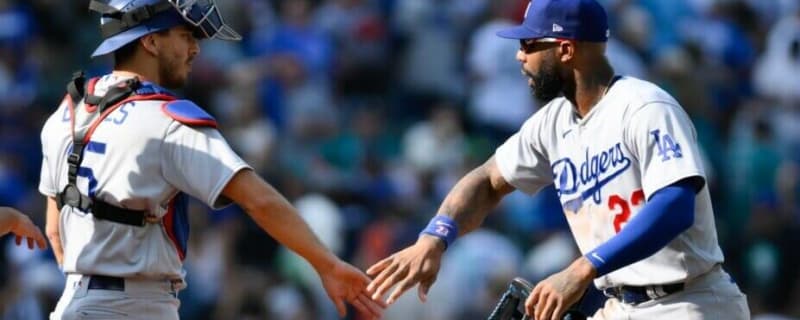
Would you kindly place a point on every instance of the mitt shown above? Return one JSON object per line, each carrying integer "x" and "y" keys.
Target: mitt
{"x": 512, "y": 304}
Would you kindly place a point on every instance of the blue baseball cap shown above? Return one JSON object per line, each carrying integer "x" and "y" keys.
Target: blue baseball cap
{"x": 580, "y": 20}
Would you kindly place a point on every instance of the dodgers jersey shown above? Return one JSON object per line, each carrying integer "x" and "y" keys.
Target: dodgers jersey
{"x": 636, "y": 140}
{"x": 142, "y": 159}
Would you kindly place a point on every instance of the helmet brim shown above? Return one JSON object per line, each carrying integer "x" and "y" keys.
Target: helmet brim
{"x": 161, "y": 22}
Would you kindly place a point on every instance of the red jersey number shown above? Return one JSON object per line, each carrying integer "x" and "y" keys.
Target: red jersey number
{"x": 618, "y": 203}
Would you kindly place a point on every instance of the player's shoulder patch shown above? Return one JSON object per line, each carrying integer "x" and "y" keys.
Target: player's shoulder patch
{"x": 188, "y": 113}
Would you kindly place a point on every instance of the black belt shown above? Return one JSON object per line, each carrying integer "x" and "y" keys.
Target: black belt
{"x": 118, "y": 284}
{"x": 106, "y": 283}
{"x": 636, "y": 295}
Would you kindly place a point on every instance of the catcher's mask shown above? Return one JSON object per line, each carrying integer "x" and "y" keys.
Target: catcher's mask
{"x": 124, "y": 21}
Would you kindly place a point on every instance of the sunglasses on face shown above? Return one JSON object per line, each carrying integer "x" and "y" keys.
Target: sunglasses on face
{"x": 532, "y": 45}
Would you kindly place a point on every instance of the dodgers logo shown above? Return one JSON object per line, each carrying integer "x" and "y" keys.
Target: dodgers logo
{"x": 588, "y": 178}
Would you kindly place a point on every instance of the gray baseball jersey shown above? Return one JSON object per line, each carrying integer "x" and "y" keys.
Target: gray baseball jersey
{"x": 605, "y": 166}
{"x": 139, "y": 158}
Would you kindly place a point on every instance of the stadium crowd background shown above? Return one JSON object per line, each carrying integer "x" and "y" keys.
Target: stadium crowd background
{"x": 365, "y": 112}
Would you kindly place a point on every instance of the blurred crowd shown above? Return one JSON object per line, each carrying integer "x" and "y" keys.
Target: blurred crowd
{"x": 364, "y": 113}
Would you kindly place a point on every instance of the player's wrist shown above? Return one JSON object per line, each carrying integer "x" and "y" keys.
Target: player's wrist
{"x": 432, "y": 242}
{"x": 324, "y": 262}
{"x": 584, "y": 268}
{"x": 442, "y": 228}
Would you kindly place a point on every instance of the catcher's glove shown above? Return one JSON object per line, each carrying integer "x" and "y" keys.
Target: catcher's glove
{"x": 512, "y": 304}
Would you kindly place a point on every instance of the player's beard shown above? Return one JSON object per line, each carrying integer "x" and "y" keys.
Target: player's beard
{"x": 547, "y": 84}
{"x": 173, "y": 72}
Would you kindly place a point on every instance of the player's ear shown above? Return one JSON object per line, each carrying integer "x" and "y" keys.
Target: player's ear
{"x": 566, "y": 50}
{"x": 149, "y": 43}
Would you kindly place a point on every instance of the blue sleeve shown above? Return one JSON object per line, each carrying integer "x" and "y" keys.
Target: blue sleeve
{"x": 668, "y": 213}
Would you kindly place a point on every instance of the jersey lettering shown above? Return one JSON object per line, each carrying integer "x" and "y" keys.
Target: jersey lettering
{"x": 666, "y": 145}
{"x": 119, "y": 116}
{"x": 591, "y": 175}
{"x": 86, "y": 172}
{"x": 66, "y": 116}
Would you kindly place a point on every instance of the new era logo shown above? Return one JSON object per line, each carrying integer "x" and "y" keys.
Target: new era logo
{"x": 557, "y": 27}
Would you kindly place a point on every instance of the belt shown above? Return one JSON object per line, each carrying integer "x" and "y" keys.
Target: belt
{"x": 97, "y": 282}
{"x": 106, "y": 283}
{"x": 635, "y": 295}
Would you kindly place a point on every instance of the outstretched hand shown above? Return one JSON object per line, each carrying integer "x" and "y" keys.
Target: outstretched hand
{"x": 19, "y": 224}
{"x": 417, "y": 264}
{"x": 551, "y": 297}
{"x": 345, "y": 283}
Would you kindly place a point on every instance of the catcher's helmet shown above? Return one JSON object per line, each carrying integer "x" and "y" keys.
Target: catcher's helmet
{"x": 123, "y": 21}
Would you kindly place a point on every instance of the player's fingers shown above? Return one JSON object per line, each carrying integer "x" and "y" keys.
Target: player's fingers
{"x": 362, "y": 280}
{"x": 379, "y": 302}
{"x": 360, "y": 307}
{"x": 550, "y": 306}
{"x": 392, "y": 280}
{"x": 558, "y": 311}
{"x": 340, "y": 307}
{"x": 422, "y": 291}
{"x": 40, "y": 240}
{"x": 30, "y": 243}
{"x": 380, "y": 276}
{"x": 533, "y": 299}
{"x": 373, "y": 308}
{"x": 18, "y": 240}
{"x": 540, "y": 305}
{"x": 380, "y": 281}
{"x": 535, "y": 293}
{"x": 356, "y": 280}
{"x": 530, "y": 305}
{"x": 376, "y": 268}
{"x": 402, "y": 287}
{"x": 424, "y": 287}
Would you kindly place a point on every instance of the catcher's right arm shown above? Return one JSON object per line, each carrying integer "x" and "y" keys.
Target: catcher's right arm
{"x": 512, "y": 304}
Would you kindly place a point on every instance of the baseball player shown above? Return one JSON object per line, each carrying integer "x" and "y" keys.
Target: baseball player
{"x": 623, "y": 156}
{"x": 121, "y": 155}
{"x": 13, "y": 221}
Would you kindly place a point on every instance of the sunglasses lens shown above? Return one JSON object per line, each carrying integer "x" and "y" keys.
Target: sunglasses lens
{"x": 523, "y": 45}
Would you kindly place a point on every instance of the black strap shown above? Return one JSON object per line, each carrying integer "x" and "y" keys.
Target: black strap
{"x": 103, "y": 7}
{"x": 71, "y": 195}
{"x": 105, "y": 211}
{"x": 118, "y": 93}
{"x": 122, "y": 21}
{"x": 76, "y": 87}
{"x": 100, "y": 209}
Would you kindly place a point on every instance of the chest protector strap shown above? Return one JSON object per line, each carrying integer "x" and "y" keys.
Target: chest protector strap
{"x": 85, "y": 119}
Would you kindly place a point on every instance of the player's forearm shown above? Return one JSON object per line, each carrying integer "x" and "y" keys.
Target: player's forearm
{"x": 280, "y": 219}
{"x": 474, "y": 196}
{"x": 52, "y": 230}
{"x": 275, "y": 215}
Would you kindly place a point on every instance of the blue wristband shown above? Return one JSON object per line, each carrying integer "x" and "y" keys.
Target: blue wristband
{"x": 442, "y": 227}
